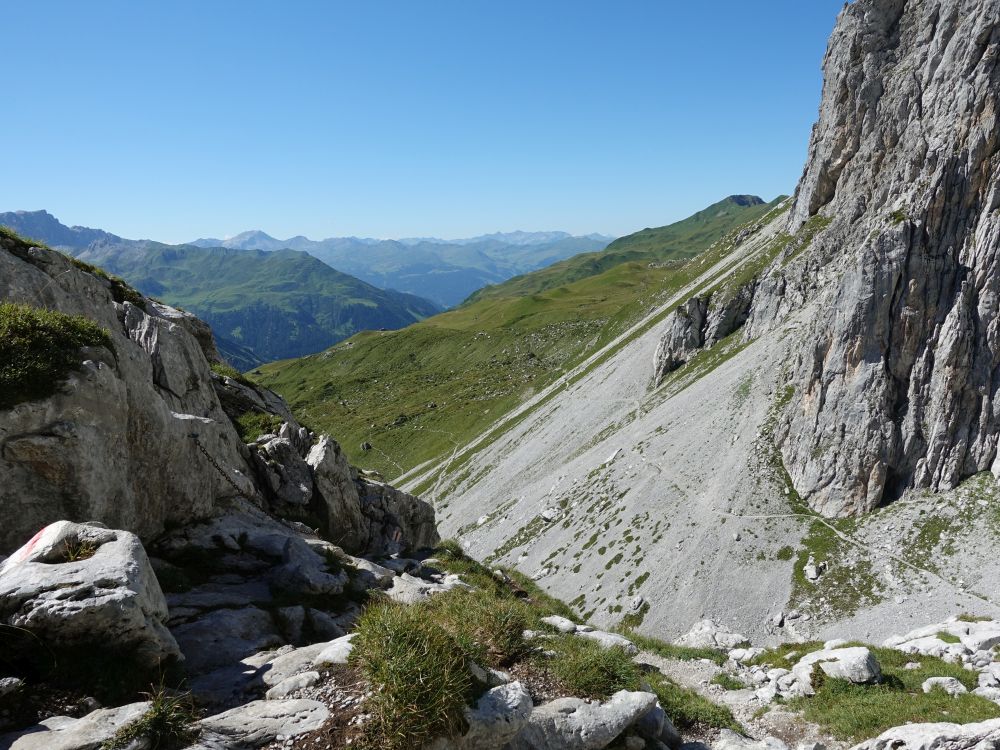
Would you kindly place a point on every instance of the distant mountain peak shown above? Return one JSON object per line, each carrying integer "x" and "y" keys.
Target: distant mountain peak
{"x": 746, "y": 200}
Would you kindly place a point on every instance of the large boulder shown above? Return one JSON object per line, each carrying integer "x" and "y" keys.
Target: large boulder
{"x": 84, "y": 585}
{"x": 575, "y": 724}
{"x": 709, "y": 634}
{"x": 363, "y": 516}
{"x": 495, "y": 719}
{"x": 856, "y": 664}
{"x": 396, "y": 521}
{"x": 66, "y": 733}
{"x": 224, "y": 636}
{"x": 338, "y": 503}
{"x": 261, "y": 722}
{"x": 981, "y": 736}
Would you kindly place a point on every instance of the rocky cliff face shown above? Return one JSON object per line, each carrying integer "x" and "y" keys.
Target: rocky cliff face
{"x": 897, "y": 374}
{"x": 143, "y": 435}
{"x": 892, "y": 241}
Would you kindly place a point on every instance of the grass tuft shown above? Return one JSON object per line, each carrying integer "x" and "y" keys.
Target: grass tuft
{"x": 941, "y": 635}
{"x": 251, "y": 425}
{"x": 688, "y": 709}
{"x": 966, "y": 617}
{"x": 727, "y": 681}
{"x": 76, "y": 550}
{"x": 165, "y": 726}
{"x": 489, "y": 629}
{"x": 419, "y": 676}
{"x": 38, "y": 350}
{"x": 226, "y": 370}
{"x": 585, "y": 668}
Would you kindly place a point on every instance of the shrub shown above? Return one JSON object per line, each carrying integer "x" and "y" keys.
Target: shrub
{"x": 419, "y": 676}
{"x": 38, "y": 350}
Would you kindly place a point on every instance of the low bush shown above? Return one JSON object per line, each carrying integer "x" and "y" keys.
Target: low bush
{"x": 38, "y": 350}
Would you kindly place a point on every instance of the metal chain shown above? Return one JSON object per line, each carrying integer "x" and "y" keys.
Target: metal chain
{"x": 211, "y": 460}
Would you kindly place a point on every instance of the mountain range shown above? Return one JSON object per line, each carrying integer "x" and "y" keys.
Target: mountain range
{"x": 262, "y": 306}
{"x": 444, "y": 271}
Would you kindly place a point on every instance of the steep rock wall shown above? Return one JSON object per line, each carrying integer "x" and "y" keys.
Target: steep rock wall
{"x": 896, "y": 378}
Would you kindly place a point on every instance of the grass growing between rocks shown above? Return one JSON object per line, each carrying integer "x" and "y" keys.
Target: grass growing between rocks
{"x": 226, "y": 370}
{"x": 419, "y": 674}
{"x": 857, "y": 712}
{"x": 727, "y": 681}
{"x": 38, "y": 350}
{"x": 511, "y": 583}
{"x": 671, "y": 651}
{"x": 251, "y": 425}
{"x": 167, "y": 725}
{"x": 420, "y": 659}
{"x": 587, "y": 670}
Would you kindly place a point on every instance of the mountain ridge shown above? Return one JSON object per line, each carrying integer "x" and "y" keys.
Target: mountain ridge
{"x": 263, "y": 306}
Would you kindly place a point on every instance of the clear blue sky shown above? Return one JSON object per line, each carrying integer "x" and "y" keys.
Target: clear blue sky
{"x": 176, "y": 120}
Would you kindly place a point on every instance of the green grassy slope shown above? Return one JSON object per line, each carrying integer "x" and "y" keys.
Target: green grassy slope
{"x": 421, "y": 392}
{"x": 681, "y": 240}
{"x": 277, "y": 305}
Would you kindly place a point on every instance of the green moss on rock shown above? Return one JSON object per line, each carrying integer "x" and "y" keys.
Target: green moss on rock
{"x": 38, "y": 350}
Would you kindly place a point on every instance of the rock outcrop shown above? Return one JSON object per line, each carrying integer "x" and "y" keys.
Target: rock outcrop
{"x": 114, "y": 444}
{"x": 896, "y": 380}
{"x": 145, "y": 435}
{"x": 84, "y": 586}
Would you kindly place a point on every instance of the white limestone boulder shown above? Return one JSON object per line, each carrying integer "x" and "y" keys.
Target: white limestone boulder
{"x": 940, "y": 736}
{"x": 65, "y": 733}
{"x": 857, "y": 665}
{"x": 85, "y": 585}
{"x": 575, "y": 724}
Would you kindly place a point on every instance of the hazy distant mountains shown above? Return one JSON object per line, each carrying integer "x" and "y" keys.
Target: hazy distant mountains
{"x": 262, "y": 306}
{"x": 445, "y": 271}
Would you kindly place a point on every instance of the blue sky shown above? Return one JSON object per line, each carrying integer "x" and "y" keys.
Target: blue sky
{"x": 403, "y": 118}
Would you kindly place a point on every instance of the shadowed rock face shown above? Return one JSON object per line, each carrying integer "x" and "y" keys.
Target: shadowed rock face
{"x": 896, "y": 376}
